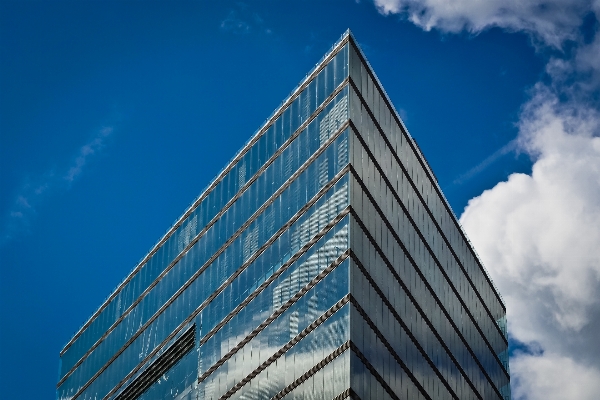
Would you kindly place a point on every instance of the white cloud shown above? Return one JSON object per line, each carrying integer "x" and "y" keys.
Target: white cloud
{"x": 539, "y": 234}
{"x": 551, "y": 21}
{"x": 553, "y": 377}
{"x": 35, "y": 189}
{"x": 539, "y": 237}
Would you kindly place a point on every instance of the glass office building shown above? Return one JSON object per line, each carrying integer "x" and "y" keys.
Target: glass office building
{"x": 323, "y": 262}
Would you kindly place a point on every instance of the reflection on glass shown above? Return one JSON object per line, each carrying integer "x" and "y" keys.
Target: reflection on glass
{"x": 323, "y": 261}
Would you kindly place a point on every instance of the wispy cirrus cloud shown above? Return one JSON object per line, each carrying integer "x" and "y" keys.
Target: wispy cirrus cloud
{"x": 241, "y": 21}
{"x": 35, "y": 189}
{"x": 507, "y": 148}
{"x": 538, "y": 233}
{"x": 85, "y": 152}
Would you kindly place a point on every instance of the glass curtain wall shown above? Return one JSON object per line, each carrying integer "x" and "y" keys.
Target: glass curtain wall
{"x": 271, "y": 223}
{"x": 323, "y": 262}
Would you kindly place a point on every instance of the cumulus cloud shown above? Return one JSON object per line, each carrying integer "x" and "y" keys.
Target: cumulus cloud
{"x": 35, "y": 189}
{"x": 539, "y": 234}
{"x": 539, "y": 237}
{"x": 553, "y": 377}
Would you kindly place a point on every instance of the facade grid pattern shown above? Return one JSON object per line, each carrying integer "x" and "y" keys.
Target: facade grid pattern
{"x": 323, "y": 262}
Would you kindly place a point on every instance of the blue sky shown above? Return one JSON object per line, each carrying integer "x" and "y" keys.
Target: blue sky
{"x": 115, "y": 115}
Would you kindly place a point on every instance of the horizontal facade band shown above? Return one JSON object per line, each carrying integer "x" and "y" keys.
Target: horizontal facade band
{"x": 347, "y": 394}
{"x": 275, "y": 315}
{"x": 373, "y": 371}
{"x": 393, "y": 353}
{"x": 342, "y": 302}
{"x": 319, "y": 366}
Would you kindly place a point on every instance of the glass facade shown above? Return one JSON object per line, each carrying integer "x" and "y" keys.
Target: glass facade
{"x": 323, "y": 262}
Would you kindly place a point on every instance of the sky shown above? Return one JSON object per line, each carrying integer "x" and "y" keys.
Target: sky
{"x": 114, "y": 116}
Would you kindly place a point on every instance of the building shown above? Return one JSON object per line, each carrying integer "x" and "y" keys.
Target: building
{"x": 323, "y": 262}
